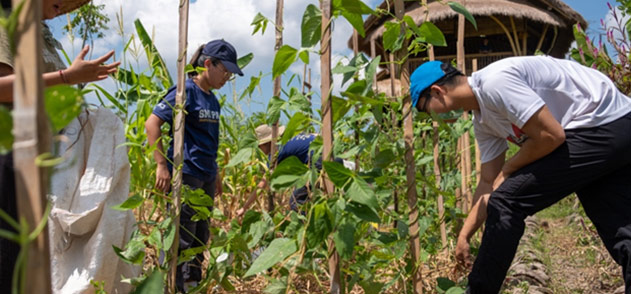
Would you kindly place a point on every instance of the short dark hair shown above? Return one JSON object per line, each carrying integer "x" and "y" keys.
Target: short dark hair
{"x": 448, "y": 80}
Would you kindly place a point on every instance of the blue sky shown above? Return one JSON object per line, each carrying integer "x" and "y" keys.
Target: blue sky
{"x": 212, "y": 19}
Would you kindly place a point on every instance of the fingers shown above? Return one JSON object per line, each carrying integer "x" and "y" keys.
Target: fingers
{"x": 103, "y": 58}
{"x": 83, "y": 52}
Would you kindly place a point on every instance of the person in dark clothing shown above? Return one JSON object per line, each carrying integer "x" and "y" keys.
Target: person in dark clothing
{"x": 201, "y": 140}
{"x": 297, "y": 146}
{"x": 572, "y": 125}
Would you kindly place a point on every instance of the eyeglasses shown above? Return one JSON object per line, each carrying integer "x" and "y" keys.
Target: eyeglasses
{"x": 226, "y": 73}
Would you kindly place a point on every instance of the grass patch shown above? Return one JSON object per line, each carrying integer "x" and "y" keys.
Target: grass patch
{"x": 566, "y": 207}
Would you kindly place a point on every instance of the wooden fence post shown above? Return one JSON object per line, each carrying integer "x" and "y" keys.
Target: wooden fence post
{"x": 178, "y": 138}
{"x": 277, "y": 89}
{"x": 327, "y": 130}
{"x": 410, "y": 167}
{"x": 32, "y": 137}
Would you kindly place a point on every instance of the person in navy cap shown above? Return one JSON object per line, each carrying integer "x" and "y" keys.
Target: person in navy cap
{"x": 572, "y": 126}
{"x": 219, "y": 60}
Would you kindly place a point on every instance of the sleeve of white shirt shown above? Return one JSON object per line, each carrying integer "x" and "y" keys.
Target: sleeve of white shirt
{"x": 510, "y": 95}
{"x": 490, "y": 146}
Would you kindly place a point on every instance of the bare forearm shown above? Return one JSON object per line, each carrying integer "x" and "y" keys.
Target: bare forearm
{"x": 6, "y": 84}
{"x": 529, "y": 152}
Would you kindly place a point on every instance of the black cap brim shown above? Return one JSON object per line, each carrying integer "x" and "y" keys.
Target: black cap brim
{"x": 232, "y": 67}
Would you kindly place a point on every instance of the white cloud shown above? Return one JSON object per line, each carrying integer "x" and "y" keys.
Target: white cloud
{"x": 213, "y": 19}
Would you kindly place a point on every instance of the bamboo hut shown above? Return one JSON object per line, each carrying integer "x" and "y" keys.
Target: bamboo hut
{"x": 505, "y": 28}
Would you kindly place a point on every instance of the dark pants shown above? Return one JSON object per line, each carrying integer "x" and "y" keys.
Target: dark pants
{"x": 593, "y": 162}
{"x": 193, "y": 233}
{"x": 8, "y": 249}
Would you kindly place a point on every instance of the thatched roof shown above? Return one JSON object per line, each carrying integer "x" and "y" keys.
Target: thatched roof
{"x": 551, "y": 12}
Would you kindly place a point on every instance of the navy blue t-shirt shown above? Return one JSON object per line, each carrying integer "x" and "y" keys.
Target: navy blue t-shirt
{"x": 201, "y": 135}
{"x": 297, "y": 146}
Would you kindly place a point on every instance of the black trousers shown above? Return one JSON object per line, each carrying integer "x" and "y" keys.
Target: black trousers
{"x": 193, "y": 233}
{"x": 593, "y": 162}
{"x": 8, "y": 249}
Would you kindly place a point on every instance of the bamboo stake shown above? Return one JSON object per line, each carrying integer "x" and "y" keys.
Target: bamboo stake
{"x": 32, "y": 138}
{"x": 178, "y": 138}
{"x": 357, "y": 125}
{"x": 543, "y": 36}
{"x": 410, "y": 170}
{"x": 277, "y": 89}
{"x": 507, "y": 32}
{"x": 512, "y": 23}
{"x": 327, "y": 130}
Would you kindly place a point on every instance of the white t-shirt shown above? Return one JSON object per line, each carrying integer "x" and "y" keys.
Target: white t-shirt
{"x": 511, "y": 90}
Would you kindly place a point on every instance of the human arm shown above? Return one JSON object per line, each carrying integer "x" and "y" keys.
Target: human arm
{"x": 163, "y": 176}
{"x": 488, "y": 173}
{"x": 545, "y": 134}
{"x": 80, "y": 71}
{"x": 261, "y": 185}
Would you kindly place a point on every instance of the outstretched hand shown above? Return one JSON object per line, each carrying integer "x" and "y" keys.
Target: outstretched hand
{"x": 83, "y": 71}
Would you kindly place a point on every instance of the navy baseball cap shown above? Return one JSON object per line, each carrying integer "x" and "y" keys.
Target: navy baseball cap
{"x": 426, "y": 75}
{"x": 225, "y": 52}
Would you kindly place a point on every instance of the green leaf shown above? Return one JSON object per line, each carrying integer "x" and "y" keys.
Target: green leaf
{"x": 311, "y": 26}
{"x": 444, "y": 284}
{"x": 131, "y": 203}
{"x": 360, "y": 192}
{"x": 353, "y": 6}
{"x": 6, "y": 130}
{"x": 411, "y": 24}
{"x": 273, "y": 109}
{"x": 289, "y": 172}
{"x": 134, "y": 251}
{"x": 63, "y": 104}
{"x": 259, "y": 23}
{"x": 384, "y": 158}
{"x": 303, "y": 54}
{"x": 154, "y": 283}
{"x": 371, "y": 70}
{"x": 169, "y": 232}
{"x": 153, "y": 56}
{"x": 431, "y": 34}
{"x": 320, "y": 224}
{"x": 340, "y": 107}
{"x": 391, "y": 35}
{"x": 276, "y": 287}
{"x": 243, "y": 156}
{"x": 338, "y": 174}
{"x": 344, "y": 239}
{"x": 257, "y": 230}
{"x": 363, "y": 212}
{"x": 298, "y": 122}
{"x": 276, "y": 252}
{"x": 342, "y": 69}
{"x": 284, "y": 58}
{"x": 244, "y": 60}
{"x": 457, "y": 7}
{"x": 455, "y": 290}
{"x": 356, "y": 21}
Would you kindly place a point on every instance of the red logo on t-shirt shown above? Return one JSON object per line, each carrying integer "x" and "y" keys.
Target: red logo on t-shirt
{"x": 519, "y": 138}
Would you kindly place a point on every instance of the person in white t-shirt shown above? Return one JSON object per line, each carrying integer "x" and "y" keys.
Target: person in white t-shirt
{"x": 574, "y": 131}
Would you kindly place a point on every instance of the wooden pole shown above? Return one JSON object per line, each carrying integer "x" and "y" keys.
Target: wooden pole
{"x": 403, "y": 75}
{"x": 327, "y": 130}
{"x": 178, "y": 138}
{"x": 277, "y": 89}
{"x": 357, "y": 125}
{"x": 373, "y": 54}
{"x": 32, "y": 138}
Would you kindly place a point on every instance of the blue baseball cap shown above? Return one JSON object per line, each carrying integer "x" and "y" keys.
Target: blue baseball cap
{"x": 426, "y": 75}
{"x": 225, "y": 52}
